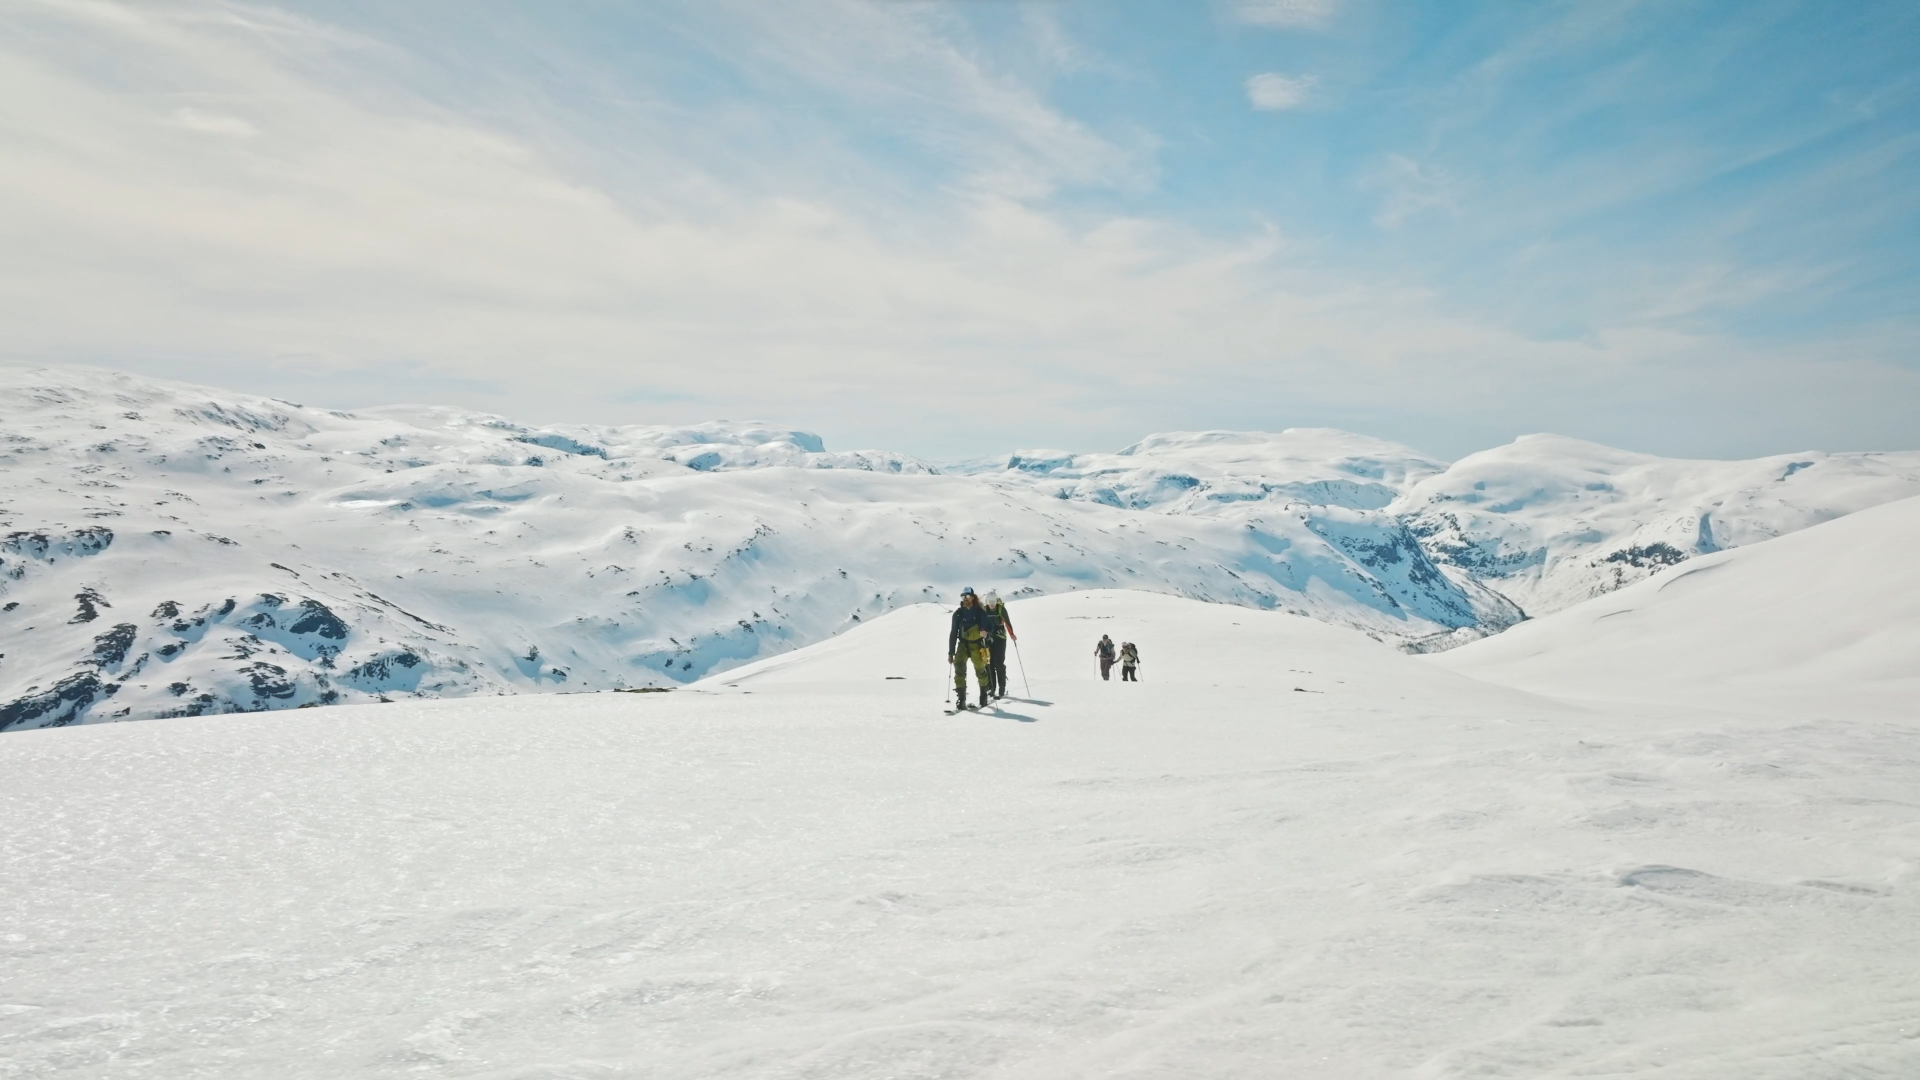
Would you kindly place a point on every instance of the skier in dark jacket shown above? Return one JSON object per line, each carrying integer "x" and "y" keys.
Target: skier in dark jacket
{"x": 1129, "y": 662}
{"x": 1104, "y": 651}
{"x": 967, "y": 643}
{"x": 996, "y": 610}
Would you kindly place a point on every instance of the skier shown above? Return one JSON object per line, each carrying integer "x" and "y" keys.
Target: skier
{"x": 967, "y": 642}
{"x": 996, "y": 610}
{"x": 1104, "y": 651}
{"x": 1129, "y": 661}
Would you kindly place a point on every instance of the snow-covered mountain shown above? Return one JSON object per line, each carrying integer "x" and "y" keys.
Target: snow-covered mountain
{"x": 173, "y": 550}
{"x": 1551, "y": 521}
{"x": 1214, "y": 472}
{"x": 170, "y": 550}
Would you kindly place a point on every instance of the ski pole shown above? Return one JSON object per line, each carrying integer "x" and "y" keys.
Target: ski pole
{"x": 1018, "y": 659}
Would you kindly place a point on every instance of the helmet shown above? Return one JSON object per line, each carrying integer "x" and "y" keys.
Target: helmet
{"x": 992, "y": 598}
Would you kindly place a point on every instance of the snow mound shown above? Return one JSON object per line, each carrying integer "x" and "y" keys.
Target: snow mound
{"x": 1828, "y": 617}
{"x": 1550, "y": 521}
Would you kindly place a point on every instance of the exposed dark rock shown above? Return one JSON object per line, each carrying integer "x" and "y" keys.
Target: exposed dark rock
{"x": 269, "y": 681}
{"x": 77, "y": 544}
{"x": 317, "y": 618}
{"x": 111, "y": 647}
{"x": 90, "y": 603}
{"x": 1649, "y": 555}
{"x": 199, "y": 706}
{"x": 56, "y": 707}
{"x": 381, "y": 669}
{"x": 561, "y": 443}
{"x": 167, "y": 610}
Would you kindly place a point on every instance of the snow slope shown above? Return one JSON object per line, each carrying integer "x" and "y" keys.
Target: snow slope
{"x": 170, "y": 550}
{"x": 1826, "y": 620}
{"x": 1393, "y": 871}
{"x": 1550, "y": 521}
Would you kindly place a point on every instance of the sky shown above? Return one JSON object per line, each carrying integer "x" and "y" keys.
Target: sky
{"x": 956, "y": 227}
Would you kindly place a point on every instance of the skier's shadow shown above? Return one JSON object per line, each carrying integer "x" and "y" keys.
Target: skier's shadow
{"x": 1000, "y": 710}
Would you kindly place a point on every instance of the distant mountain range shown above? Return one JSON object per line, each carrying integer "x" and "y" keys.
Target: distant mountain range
{"x": 174, "y": 550}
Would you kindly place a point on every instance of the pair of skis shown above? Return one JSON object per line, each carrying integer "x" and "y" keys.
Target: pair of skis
{"x": 991, "y": 706}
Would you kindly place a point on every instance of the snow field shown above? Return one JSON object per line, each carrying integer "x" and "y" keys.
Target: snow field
{"x": 1394, "y": 871}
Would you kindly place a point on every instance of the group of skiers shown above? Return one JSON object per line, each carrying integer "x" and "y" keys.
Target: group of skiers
{"x": 979, "y": 634}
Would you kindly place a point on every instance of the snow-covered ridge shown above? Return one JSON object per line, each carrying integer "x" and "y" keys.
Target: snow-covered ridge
{"x": 1214, "y": 472}
{"x": 1824, "y": 620}
{"x": 1550, "y": 521}
{"x": 177, "y": 550}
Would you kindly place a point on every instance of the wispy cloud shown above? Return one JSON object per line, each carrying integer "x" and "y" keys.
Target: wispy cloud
{"x": 1291, "y": 14}
{"x": 1273, "y": 92}
{"x": 1412, "y": 188}
{"x": 914, "y": 67}
{"x": 207, "y": 123}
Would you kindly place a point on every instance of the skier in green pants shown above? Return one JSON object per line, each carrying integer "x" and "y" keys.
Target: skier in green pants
{"x": 967, "y": 642}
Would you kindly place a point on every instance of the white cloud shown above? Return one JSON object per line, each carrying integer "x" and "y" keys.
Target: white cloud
{"x": 212, "y": 123}
{"x": 1274, "y": 92}
{"x": 1292, "y": 14}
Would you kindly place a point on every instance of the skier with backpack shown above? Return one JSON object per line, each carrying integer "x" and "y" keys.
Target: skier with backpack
{"x": 1129, "y": 662}
{"x": 1104, "y": 651}
{"x": 967, "y": 642}
{"x": 996, "y": 610}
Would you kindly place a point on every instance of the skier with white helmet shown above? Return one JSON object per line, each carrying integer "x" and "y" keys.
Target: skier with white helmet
{"x": 996, "y": 609}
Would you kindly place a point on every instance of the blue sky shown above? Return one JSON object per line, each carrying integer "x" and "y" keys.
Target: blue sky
{"x": 958, "y": 227}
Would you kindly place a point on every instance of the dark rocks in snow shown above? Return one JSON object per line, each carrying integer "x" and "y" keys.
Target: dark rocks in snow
{"x": 90, "y": 604}
{"x": 61, "y": 705}
{"x": 269, "y": 681}
{"x": 200, "y": 705}
{"x": 309, "y": 628}
{"x": 317, "y": 618}
{"x": 112, "y": 647}
{"x": 166, "y": 610}
{"x": 79, "y": 543}
{"x": 1648, "y": 555}
{"x": 396, "y": 669}
{"x": 562, "y": 443}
